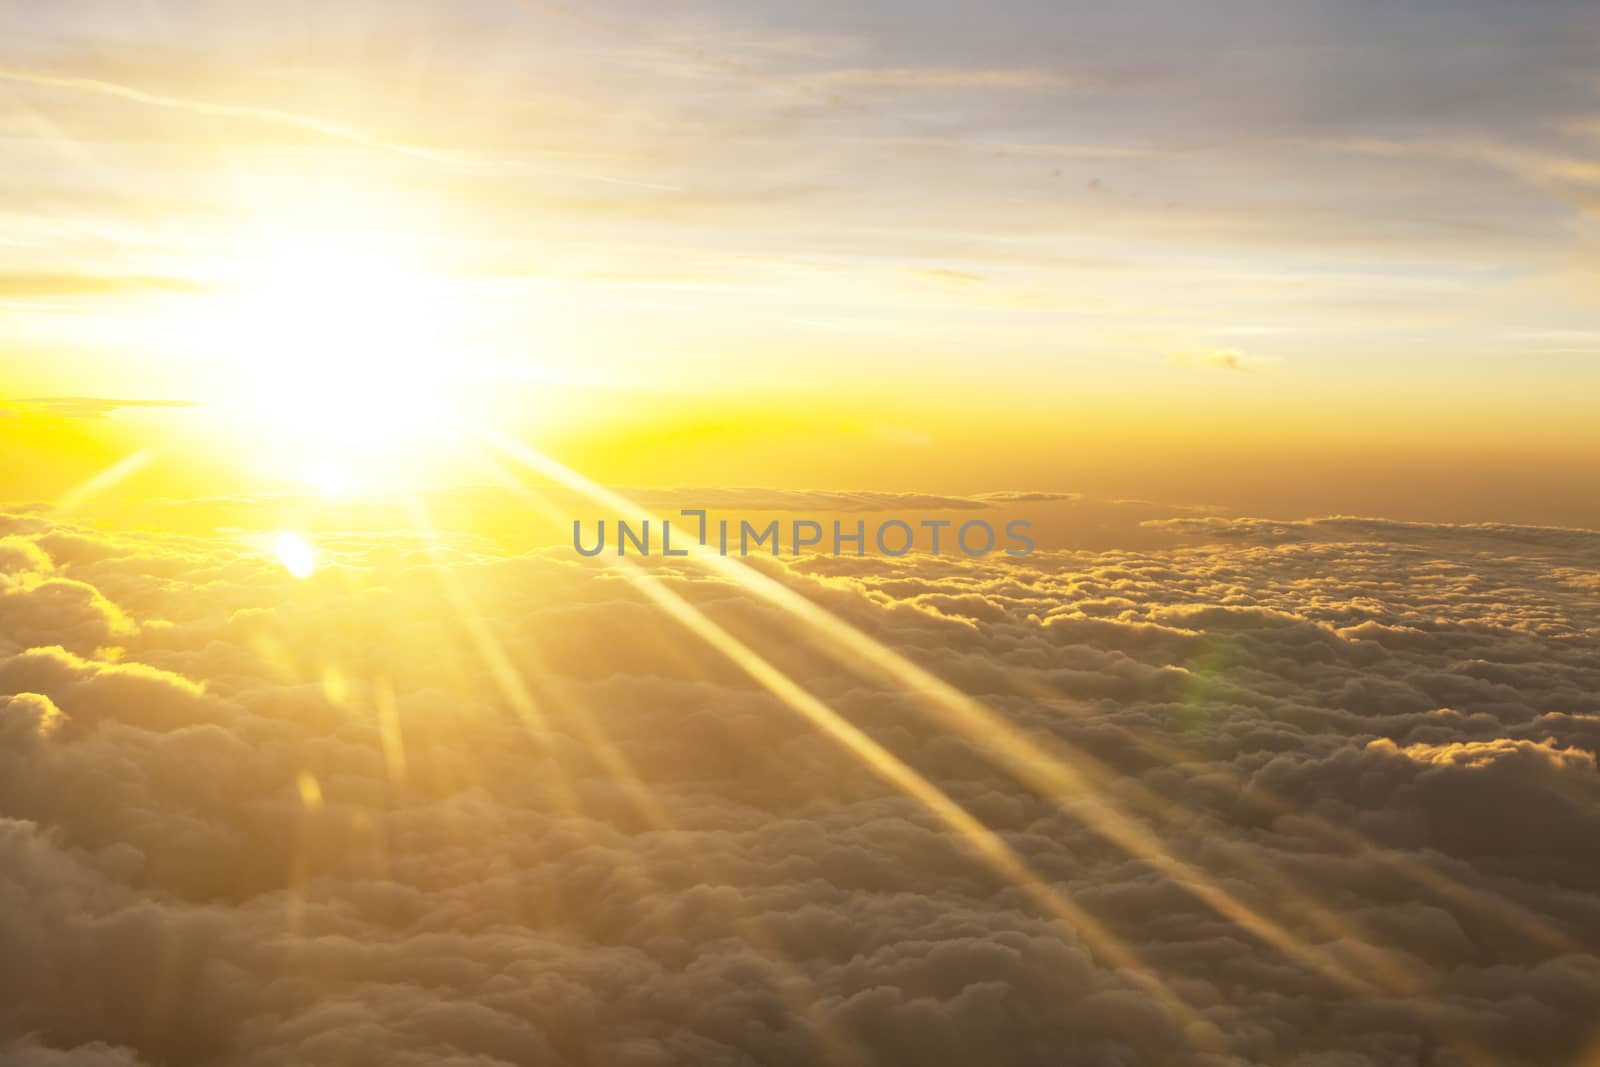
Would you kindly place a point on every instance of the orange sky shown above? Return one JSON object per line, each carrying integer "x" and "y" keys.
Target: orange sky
{"x": 729, "y": 246}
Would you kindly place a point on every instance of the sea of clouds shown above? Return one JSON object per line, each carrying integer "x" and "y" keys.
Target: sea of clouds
{"x": 1337, "y": 797}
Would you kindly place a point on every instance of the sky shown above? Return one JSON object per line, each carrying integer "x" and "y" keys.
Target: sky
{"x": 1297, "y": 259}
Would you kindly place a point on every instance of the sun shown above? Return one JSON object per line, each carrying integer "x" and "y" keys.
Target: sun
{"x": 343, "y": 344}
{"x": 343, "y": 356}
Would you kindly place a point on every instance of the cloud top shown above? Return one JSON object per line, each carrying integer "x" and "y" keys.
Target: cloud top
{"x": 440, "y": 805}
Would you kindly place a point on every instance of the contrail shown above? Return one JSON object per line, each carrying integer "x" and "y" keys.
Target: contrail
{"x": 298, "y": 121}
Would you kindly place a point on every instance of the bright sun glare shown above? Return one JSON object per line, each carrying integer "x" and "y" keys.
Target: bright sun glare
{"x": 344, "y": 359}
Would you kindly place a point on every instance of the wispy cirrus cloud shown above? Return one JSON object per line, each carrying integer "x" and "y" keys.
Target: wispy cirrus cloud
{"x": 94, "y": 407}
{"x": 951, "y": 78}
{"x": 307, "y": 123}
{"x": 35, "y": 284}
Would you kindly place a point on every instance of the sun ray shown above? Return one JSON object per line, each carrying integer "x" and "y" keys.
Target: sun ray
{"x": 107, "y": 479}
{"x": 1056, "y": 776}
{"x": 844, "y": 1048}
{"x": 985, "y": 844}
{"x": 1051, "y": 776}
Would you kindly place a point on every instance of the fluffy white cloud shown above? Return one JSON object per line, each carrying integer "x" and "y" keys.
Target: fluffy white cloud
{"x": 441, "y": 806}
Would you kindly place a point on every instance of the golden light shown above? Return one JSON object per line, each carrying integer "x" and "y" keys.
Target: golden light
{"x": 342, "y": 343}
{"x": 330, "y": 479}
{"x": 310, "y": 790}
{"x": 339, "y": 356}
{"x": 296, "y": 554}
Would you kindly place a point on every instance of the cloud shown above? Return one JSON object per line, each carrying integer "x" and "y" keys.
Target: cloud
{"x": 1214, "y": 359}
{"x": 1026, "y": 497}
{"x": 40, "y": 284}
{"x": 946, "y": 276}
{"x": 95, "y": 407}
{"x": 441, "y": 805}
{"x": 100, "y": 87}
{"x": 299, "y": 121}
{"x": 933, "y": 78}
{"x": 59, "y": 611}
{"x": 819, "y": 501}
{"x": 1332, "y": 202}
{"x": 1585, "y": 543}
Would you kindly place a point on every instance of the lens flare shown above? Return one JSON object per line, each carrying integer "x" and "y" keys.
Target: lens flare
{"x": 296, "y": 554}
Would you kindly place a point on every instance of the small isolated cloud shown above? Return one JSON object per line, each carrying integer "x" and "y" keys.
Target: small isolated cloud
{"x": 1015, "y": 79}
{"x": 1216, "y": 359}
{"x": 1026, "y": 496}
{"x": 946, "y": 275}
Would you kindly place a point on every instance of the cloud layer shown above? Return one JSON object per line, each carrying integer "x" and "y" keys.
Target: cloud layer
{"x": 1336, "y": 793}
